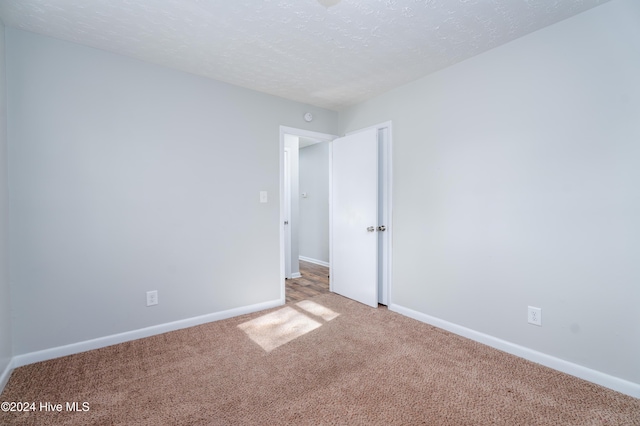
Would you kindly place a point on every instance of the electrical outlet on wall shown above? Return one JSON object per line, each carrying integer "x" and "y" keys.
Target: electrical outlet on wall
{"x": 534, "y": 316}
{"x": 152, "y": 297}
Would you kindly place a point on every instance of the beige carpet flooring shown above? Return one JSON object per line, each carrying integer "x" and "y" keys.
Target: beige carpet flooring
{"x": 330, "y": 361}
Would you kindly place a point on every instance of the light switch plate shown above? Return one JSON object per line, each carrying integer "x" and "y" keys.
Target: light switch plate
{"x": 263, "y": 196}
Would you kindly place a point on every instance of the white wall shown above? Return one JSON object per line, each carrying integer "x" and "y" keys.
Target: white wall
{"x": 5, "y": 307}
{"x": 292, "y": 143}
{"x": 126, "y": 177}
{"x": 516, "y": 182}
{"x": 314, "y": 210}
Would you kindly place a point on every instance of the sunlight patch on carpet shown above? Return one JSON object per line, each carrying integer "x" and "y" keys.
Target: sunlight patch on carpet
{"x": 277, "y": 328}
{"x": 317, "y": 310}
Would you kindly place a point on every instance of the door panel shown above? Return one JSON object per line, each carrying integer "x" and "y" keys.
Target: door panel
{"x": 354, "y": 212}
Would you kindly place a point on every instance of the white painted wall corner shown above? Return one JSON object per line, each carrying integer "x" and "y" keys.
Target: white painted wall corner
{"x": 6, "y": 375}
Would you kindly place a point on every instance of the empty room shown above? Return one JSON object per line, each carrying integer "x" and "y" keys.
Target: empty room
{"x": 471, "y": 168}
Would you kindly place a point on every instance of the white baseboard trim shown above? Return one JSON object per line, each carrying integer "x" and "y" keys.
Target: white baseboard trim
{"x": 295, "y": 275}
{"x": 315, "y": 261}
{"x": 101, "y": 342}
{"x": 594, "y": 376}
{"x": 6, "y": 374}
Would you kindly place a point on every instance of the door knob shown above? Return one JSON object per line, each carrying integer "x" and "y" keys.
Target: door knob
{"x": 382, "y": 228}
{"x": 371, "y": 229}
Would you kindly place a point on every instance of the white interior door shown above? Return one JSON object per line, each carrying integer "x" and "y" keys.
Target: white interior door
{"x": 354, "y": 217}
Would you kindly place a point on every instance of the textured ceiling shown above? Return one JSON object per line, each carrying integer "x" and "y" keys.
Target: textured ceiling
{"x": 295, "y": 49}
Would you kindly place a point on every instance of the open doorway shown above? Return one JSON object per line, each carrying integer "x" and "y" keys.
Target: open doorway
{"x": 305, "y": 212}
{"x": 293, "y": 142}
{"x": 310, "y": 238}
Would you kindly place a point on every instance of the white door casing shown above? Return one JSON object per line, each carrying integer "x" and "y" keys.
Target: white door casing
{"x": 287, "y": 213}
{"x": 354, "y": 216}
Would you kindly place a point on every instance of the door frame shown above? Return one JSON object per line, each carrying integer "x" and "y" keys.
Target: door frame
{"x": 385, "y": 135}
{"x": 287, "y": 212}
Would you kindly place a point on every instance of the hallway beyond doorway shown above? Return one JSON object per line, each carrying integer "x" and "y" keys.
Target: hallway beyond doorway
{"x": 313, "y": 282}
